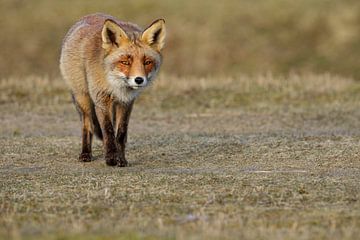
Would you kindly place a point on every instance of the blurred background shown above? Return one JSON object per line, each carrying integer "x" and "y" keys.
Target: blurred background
{"x": 205, "y": 38}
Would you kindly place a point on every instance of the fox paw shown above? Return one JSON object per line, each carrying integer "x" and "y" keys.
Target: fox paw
{"x": 122, "y": 162}
{"x": 113, "y": 159}
{"x": 85, "y": 157}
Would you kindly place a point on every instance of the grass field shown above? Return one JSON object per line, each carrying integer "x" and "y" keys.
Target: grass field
{"x": 261, "y": 157}
{"x": 252, "y": 156}
{"x": 205, "y": 38}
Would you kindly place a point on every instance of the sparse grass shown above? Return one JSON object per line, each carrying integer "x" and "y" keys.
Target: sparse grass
{"x": 260, "y": 157}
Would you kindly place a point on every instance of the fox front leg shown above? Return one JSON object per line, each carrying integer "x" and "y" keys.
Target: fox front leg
{"x": 111, "y": 152}
{"x": 122, "y": 115}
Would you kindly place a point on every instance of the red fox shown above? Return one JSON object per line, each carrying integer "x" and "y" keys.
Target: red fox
{"x": 107, "y": 63}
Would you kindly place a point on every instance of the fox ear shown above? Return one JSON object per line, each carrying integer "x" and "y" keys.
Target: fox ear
{"x": 155, "y": 34}
{"x": 112, "y": 35}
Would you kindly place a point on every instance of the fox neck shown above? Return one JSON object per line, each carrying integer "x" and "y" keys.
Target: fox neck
{"x": 125, "y": 94}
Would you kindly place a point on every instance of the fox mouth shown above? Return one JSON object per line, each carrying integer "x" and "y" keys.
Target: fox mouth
{"x": 135, "y": 87}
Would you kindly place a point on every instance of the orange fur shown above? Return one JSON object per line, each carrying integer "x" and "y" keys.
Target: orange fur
{"x": 102, "y": 60}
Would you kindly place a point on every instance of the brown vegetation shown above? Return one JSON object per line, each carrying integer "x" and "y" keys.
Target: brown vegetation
{"x": 254, "y": 158}
{"x": 204, "y": 37}
{"x": 213, "y": 153}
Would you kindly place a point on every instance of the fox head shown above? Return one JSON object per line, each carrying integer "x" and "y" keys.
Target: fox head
{"x": 132, "y": 60}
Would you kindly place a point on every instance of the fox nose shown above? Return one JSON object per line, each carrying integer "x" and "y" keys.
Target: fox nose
{"x": 139, "y": 80}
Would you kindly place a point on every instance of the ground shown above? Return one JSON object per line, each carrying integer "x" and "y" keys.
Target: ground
{"x": 260, "y": 157}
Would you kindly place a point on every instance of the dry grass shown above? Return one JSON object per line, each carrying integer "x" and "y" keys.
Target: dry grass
{"x": 255, "y": 156}
{"x": 205, "y": 37}
{"x": 260, "y": 157}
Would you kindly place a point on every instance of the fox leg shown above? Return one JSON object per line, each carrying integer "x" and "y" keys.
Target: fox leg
{"x": 104, "y": 115}
{"x": 87, "y": 136}
{"x": 83, "y": 105}
{"x": 122, "y": 115}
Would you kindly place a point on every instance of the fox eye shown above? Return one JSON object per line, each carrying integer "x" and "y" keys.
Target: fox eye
{"x": 125, "y": 62}
{"x": 147, "y": 62}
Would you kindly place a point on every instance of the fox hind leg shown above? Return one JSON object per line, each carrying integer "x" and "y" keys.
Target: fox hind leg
{"x": 84, "y": 107}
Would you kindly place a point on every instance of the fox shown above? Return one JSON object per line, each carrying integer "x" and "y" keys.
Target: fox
{"x": 107, "y": 63}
